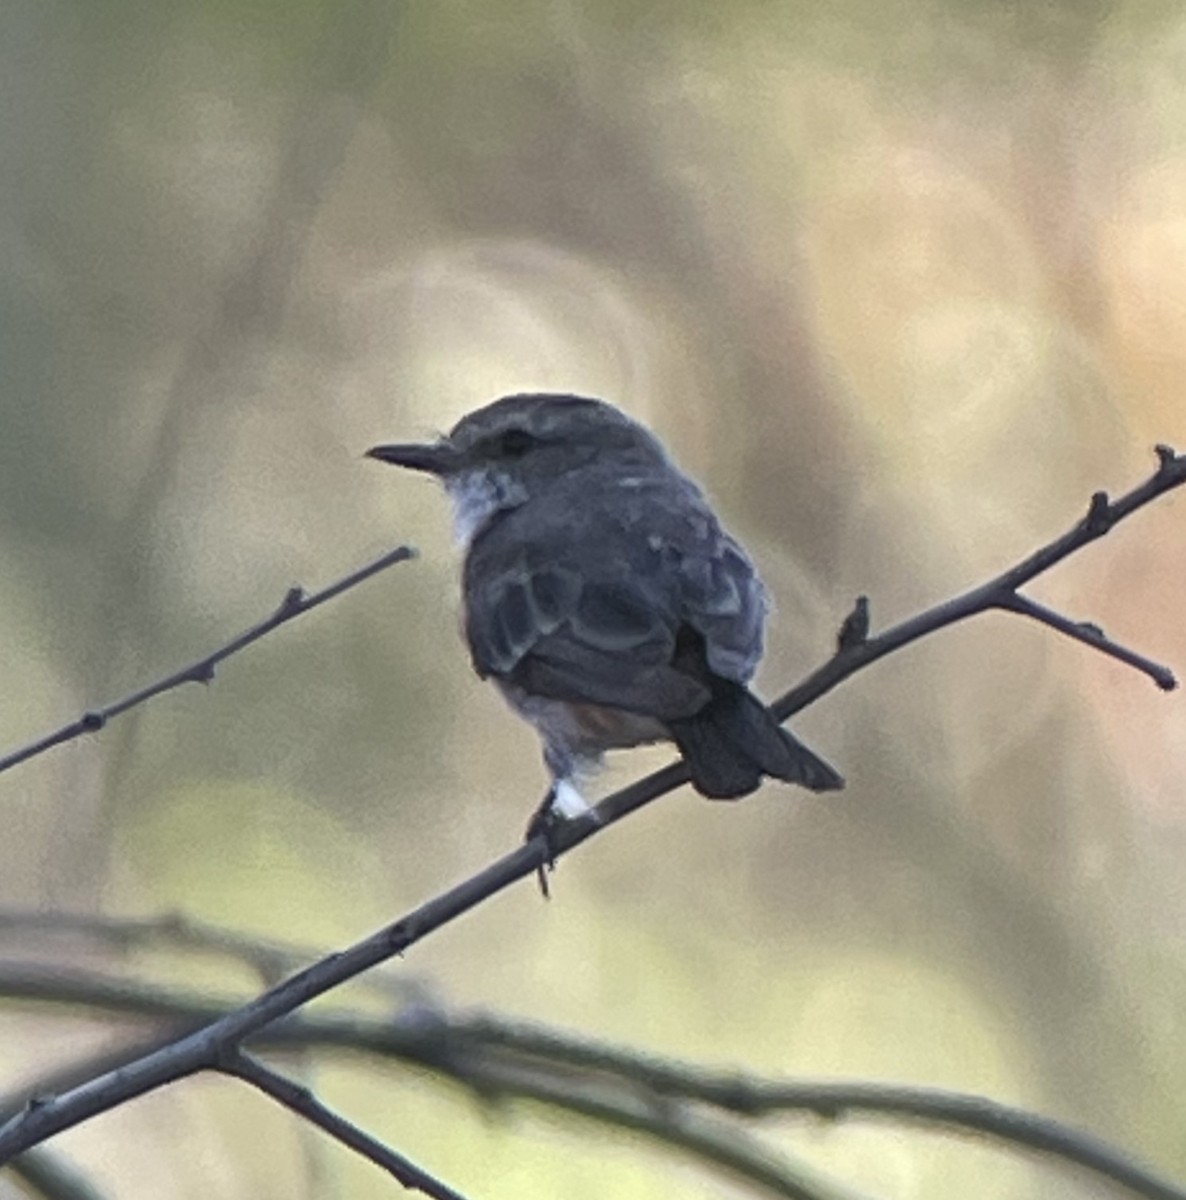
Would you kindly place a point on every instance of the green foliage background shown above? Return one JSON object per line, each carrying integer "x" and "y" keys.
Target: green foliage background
{"x": 903, "y": 283}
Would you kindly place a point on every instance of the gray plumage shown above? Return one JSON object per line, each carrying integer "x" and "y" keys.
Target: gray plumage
{"x": 603, "y": 597}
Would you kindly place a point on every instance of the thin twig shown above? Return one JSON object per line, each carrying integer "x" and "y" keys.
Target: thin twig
{"x": 267, "y": 957}
{"x": 271, "y": 960}
{"x": 1001, "y": 593}
{"x": 720, "y": 1144}
{"x": 457, "y": 1058}
{"x": 295, "y": 602}
{"x": 752, "y": 1097}
{"x": 230, "y": 353}
{"x": 715, "y": 1143}
{"x": 301, "y": 1101}
{"x": 497, "y": 1057}
{"x": 1090, "y": 635}
{"x": 203, "y": 1049}
{"x": 961, "y": 1112}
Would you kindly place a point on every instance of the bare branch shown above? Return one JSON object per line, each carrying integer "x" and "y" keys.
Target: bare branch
{"x": 1002, "y": 592}
{"x": 205, "y": 1048}
{"x": 1090, "y": 635}
{"x": 752, "y": 1097}
{"x": 416, "y": 1039}
{"x": 302, "y": 1102}
{"x": 456, "y": 1057}
{"x": 499, "y": 1058}
{"x": 712, "y": 1141}
{"x": 957, "y": 1111}
{"x": 269, "y": 958}
{"x": 295, "y": 602}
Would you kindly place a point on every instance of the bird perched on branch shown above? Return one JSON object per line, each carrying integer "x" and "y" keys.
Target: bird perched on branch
{"x": 605, "y": 600}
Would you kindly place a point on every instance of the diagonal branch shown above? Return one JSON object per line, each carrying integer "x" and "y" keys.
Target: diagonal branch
{"x": 295, "y": 602}
{"x": 856, "y": 650}
{"x": 713, "y": 1141}
{"x": 302, "y": 1102}
{"x": 205, "y": 1048}
{"x": 1090, "y": 635}
{"x": 502, "y": 1059}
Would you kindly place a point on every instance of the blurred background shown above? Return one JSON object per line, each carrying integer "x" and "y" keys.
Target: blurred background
{"x": 900, "y": 283}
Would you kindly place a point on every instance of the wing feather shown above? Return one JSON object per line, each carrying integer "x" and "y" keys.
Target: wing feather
{"x": 584, "y": 602}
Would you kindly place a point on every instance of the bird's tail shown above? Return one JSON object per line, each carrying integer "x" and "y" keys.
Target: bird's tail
{"x": 734, "y": 740}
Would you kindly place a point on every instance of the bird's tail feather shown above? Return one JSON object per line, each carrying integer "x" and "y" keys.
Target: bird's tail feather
{"x": 734, "y": 740}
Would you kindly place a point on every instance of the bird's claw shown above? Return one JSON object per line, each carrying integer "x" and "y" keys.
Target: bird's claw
{"x": 544, "y": 823}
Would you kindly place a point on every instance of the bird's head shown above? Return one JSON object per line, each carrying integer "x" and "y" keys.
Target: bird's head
{"x": 512, "y": 451}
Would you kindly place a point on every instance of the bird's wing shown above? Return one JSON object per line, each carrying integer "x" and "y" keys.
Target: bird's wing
{"x": 722, "y": 598}
{"x": 588, "y": 640}
{"x": 594, "y": 595}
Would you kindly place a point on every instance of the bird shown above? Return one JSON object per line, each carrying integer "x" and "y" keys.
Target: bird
{"x": 605, "y": 600}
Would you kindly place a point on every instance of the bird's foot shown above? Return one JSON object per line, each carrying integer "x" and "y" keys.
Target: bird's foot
{"x": 544, "y": 823}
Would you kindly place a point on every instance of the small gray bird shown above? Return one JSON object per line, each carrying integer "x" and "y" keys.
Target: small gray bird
{"x": 604, "y": 599}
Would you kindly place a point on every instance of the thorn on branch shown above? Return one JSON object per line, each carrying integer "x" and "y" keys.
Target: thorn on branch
{"x": 294, "y": 598}
{"x": 1099, "y": 514}
{"x": 854, "y": 631}
{"x": 1166, "y": 457}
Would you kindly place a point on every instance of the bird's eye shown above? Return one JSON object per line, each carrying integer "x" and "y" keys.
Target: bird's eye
{"x": 514, "y": 443}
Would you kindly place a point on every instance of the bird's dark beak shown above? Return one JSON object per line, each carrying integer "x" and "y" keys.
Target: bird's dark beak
{"x": 437, "y": 458}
